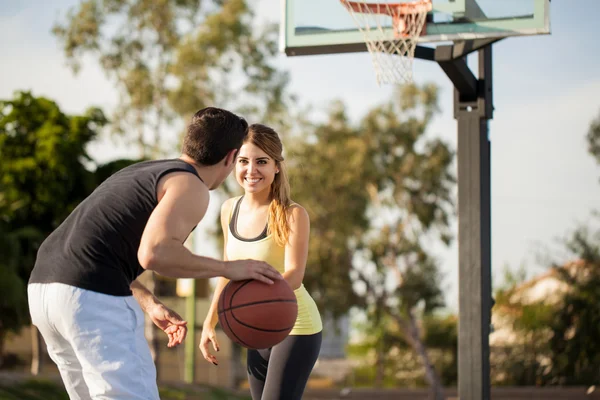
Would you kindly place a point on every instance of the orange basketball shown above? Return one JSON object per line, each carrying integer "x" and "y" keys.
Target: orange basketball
{"x": 257, "y": 315}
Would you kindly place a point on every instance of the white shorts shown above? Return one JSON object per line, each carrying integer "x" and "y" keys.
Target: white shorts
{"x": 96, "y": 340}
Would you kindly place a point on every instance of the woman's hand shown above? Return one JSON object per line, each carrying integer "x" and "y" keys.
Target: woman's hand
{"x": 209, "y": 335}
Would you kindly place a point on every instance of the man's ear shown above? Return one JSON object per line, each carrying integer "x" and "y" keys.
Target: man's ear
{"x": 230, "y": 157}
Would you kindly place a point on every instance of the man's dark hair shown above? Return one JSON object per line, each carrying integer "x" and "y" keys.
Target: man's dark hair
{"x": 212, "y": 133}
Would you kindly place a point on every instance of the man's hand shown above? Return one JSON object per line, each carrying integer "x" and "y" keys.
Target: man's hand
{"x": 209, "y": 336}
{"x": 240, "y": 270}
{"x": 170, "y": 322}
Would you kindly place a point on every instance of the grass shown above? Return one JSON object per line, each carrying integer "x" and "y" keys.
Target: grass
{"x": 38, "y": 389}
{"x": 32, "y": 390}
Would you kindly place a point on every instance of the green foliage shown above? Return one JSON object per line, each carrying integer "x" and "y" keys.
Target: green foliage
{"x": 348, "y": 177}
{"x": 441, "y": 332}
{"x": 410, "y": 188}
{"x": 526, "y": 361}
{"x": 534, "y": 317}
{"x": 32, "y": 390}
{"x": 374, "y": 191}
{"x": 523, "y": 362}
{"x": 410, "y": 171}
{"x": 575, "y": 343}
{"x": 36, "y": 389}
{"x": 326, "y": 178}
{"x": 593, "y": 138}
{"x": 510, "y": 278}
{"x": 43, "y": 177}
{"x": 441, "y": 335}
{"x": 411, "y": 185}
{"x": 43, "y": 153}
{"x": 557, "y": 338}
{"x": 171, "y": 58}
{"x": 13, "y": 302}
{"x": 401, "y": 365}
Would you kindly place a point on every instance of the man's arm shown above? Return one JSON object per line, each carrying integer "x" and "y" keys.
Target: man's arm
{"x": 143, "y": 296}
{"x": 163, "y": 317}
{"x": 183, "y": 201}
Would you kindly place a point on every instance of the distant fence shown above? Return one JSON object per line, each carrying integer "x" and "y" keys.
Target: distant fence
{"x": 498, "y": 393}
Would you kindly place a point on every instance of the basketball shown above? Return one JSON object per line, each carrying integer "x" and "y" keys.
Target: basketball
{"x": 257, "y": 315}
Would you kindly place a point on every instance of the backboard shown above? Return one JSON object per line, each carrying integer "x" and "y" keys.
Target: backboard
{"x": 325, "y": 26}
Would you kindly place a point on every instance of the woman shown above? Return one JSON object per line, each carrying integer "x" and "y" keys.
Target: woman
{"x": 264, "y": 224}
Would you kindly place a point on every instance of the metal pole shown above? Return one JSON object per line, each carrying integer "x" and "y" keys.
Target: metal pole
{"x": 474, "y": 238}
{"x": 190, "y": 316}
{"x": 190, "y": 343}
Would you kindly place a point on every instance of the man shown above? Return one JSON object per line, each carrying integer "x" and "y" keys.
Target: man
{"x": 83, "y": 288}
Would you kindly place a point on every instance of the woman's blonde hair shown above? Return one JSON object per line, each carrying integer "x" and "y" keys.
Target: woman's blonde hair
{"x": 268, "y": 141}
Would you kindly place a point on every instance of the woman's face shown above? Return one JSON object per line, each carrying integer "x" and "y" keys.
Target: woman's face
{"x": 254, "y": 169}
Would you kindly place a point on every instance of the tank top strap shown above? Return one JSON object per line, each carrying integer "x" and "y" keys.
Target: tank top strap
{"x": 234, "y": 205}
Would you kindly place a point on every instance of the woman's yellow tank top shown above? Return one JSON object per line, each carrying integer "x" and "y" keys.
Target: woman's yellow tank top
{"x": 266, "y": 249}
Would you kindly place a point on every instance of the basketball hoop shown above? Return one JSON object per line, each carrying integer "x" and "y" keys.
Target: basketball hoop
{"x": 392, "y": 49}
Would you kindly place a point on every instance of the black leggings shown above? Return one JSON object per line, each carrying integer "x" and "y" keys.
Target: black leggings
{"x": 281, "y": 372}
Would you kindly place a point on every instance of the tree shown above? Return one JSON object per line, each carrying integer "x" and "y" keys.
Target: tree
{"x": 326, "y": 168}
{"x": 411, "y": 199}
{"x": 566, "y": 334}
{"x": 575, "y": 343}
{"x": 576, "y": 326}
{"x": 593, "y": 138}
{"x": 557, "y": 341}
{"x": 374, "y": 193}
{"x": 383, "y": 346}
{"x": 441, "y": 333}
{"x": 170, "y": 58}
{"x": 13, "y": 302}
{"x": 523, "y": 362}
{"x": 42, "y": 178}
{"x": 43, "y": 159}
{"x": 44, "y": 175}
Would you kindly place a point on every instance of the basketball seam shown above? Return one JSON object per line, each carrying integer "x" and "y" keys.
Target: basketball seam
{"x": 260, "y": 329}
{"x": 237, "y": 290}
{"x": 258, "y": 302}
{"x": 240, "y": 341}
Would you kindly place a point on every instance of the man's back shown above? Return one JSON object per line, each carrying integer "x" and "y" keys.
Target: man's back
{"x": 96, "y": 247}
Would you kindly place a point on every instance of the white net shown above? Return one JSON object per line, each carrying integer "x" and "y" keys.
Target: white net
{"x": 389, "y": 30}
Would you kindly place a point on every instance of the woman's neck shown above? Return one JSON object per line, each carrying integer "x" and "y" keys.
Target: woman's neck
{"x": 257, "y": 200}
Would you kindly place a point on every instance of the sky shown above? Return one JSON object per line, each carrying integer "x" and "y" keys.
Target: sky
{"x": 546, "y": 90}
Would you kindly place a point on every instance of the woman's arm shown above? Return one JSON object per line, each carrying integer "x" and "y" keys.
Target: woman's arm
{"x": 209, "y": 334}
{"x": 296, "y": 250}
{"x": 212, "y": 317}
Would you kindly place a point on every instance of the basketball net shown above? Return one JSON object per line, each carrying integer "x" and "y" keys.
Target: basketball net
{"x": 392, "y": 49}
